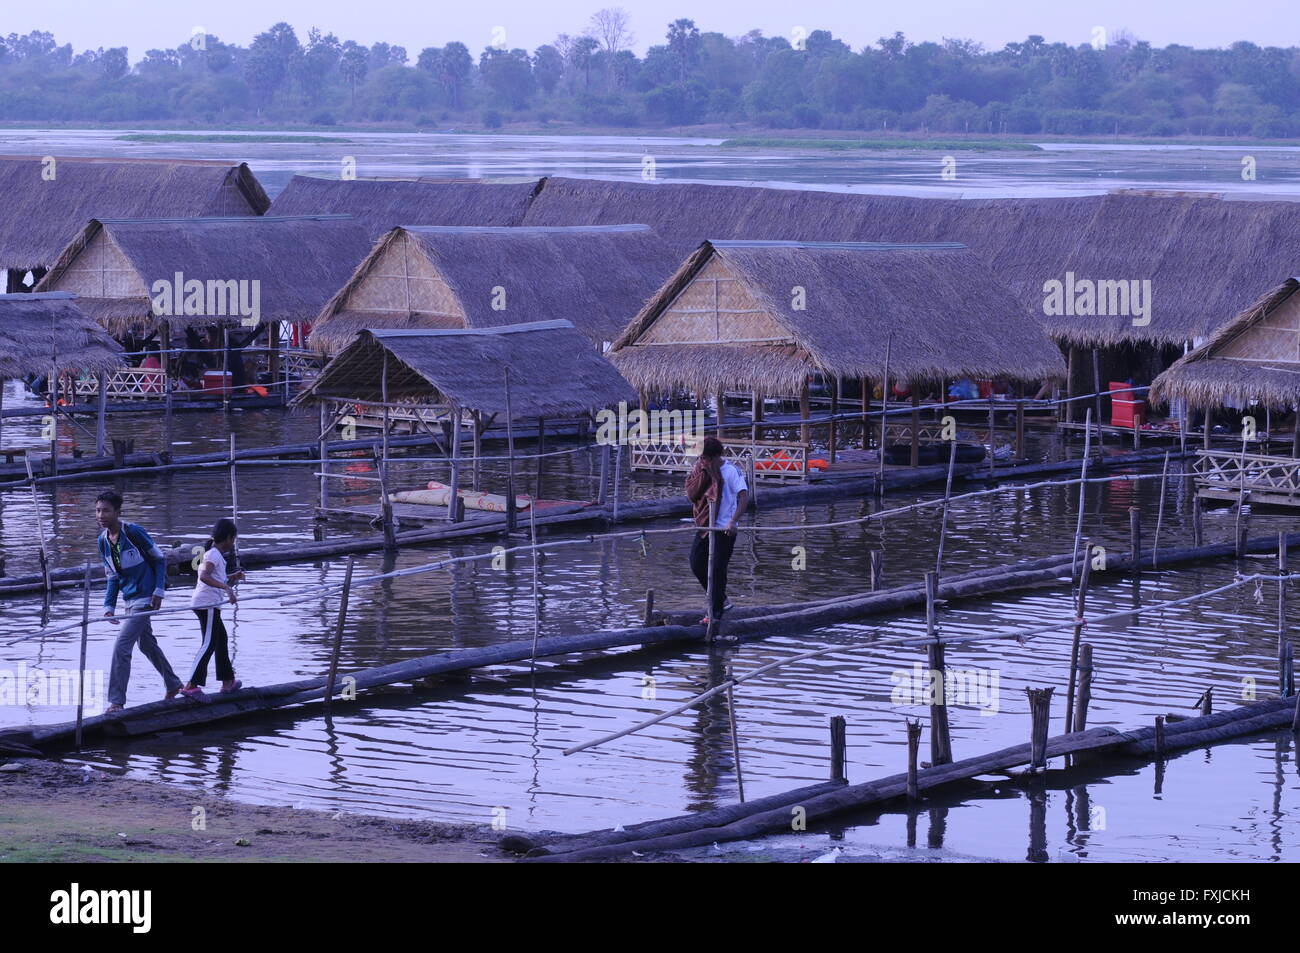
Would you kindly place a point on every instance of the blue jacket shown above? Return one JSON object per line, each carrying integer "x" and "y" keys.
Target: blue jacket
{"x": 144, "y": 567}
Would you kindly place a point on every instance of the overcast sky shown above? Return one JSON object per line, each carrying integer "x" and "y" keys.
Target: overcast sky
{"x": 144, "y": 24}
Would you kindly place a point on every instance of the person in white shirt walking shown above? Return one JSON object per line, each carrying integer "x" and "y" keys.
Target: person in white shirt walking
{"x": 718, "y": 481}
{"x": 212, "y": 589}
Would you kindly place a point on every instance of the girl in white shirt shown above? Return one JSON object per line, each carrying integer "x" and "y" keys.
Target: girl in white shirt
{"x": 212, "y": 589}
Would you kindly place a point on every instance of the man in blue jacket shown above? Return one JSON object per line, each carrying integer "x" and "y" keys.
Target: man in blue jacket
{"x": 137, "y": 570}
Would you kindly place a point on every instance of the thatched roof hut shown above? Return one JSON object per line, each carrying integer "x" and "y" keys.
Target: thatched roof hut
{"x": 762, "y": 315}
{"x": 1254, "y": 358}
{"x": 446, "y": 277}
{"x": 1201, "y": 255}
{"x": 39, "y": 332}
{"x": 116, "y": 265}
{"x": 47, "y": 204}
{"x": 553, "y": 372}
{"x": 1023, "y": 241}
{"x": 383, "y": 204}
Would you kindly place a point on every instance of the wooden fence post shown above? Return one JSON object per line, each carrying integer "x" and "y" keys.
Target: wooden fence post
{"x": 1085, "y": 687}
{"x": 1040, "y": 709}
{"x": 940, "y": 739}
{"x": 839, "y": 748}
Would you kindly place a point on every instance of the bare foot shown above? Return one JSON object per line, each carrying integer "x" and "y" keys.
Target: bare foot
{"x": 113, "y": 709}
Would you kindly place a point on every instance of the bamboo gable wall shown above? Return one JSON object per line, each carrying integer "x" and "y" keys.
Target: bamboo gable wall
{"x": 100, "y": 270}
{"x": 715, "y": 307}
{"x": 1274, "y": 339}
{"x": 403, "y": 281}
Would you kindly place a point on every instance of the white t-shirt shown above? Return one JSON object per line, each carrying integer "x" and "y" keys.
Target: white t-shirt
{"x": 733, "y": 483}
{"x": 205, "y": 596}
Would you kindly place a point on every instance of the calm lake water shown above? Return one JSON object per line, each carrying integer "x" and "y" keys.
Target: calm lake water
{"x": 460, "y": 752}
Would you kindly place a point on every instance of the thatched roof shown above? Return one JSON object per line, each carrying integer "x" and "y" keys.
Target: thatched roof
{"x": 299, "y": 262}
{"x": 1255, "y": 357}
{"x": 444, "y": 277}
{"x": 553, "y": 371}
{"x": 38, "y": 216}
{"x": 40, "y": 331}
{"x": 383, "y": 204}
{"x": 728, "y": 319}
{"x": 1203, "y": 256}
{"x": 1023, "y": 241}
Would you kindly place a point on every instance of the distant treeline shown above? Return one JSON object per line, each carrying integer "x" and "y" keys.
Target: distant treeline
{"x": 1119, "y": 86}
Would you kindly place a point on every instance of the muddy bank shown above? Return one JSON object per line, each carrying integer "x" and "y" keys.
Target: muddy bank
{"x": 59, "y": 812}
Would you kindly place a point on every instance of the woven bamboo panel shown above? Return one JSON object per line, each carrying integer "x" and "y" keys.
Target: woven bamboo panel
{"x": 100, "y": 270}
{"x": 403, "y": 279}
{"x": 1275, "y": 339}
{"x": 714, "y": 307}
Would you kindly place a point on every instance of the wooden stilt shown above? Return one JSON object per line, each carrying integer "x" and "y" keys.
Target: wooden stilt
{"x": 940, "y": 740}
{"x": 101, "y": 414}
{"x": 649, "y": 617}
{"x": 338, "y": 635}
{"x": 81, "y": 668}
{"x": 1160, "y": 513}
{"x": 541, "y": 456}
{"x": 833, "y": 423}
{"x": 1284, "y": 674}
{"x": 803, "y": 413}
{"x": 322, "y": 451}
{"x": 1040, "y": 710}
{"x": 877, "y": 558}
{"x": 510, "y": 470}
{"x": 1135, "y": 537}
{"x": 993, "y": 436}
{"x": 602, "y": 491}
{"x": 1160, "y": 737}
{"x": 947, "y": 495}
{"x": 865, "y": 384}
{"x": 1085, "y": 687}
{"x": 916, "y": 425}
{"x": 1096, "y": 395}
{"x": 884, "y": 417}
{"x": 1081, "y": 602}
{"x": 913, "y": 747}
{"x": 708, "y": 591}
{"x": 735, "y": 740}
{"x": 839, "y": 748}
{"x": 454, "y": 506}
{"x": 1020, "y": 430}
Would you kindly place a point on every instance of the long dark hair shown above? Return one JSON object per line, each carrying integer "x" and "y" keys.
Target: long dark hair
{"x": 224, "y": 530}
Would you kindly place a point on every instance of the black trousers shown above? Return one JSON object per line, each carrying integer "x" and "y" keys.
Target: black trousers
{"x": 722, "y": 549}
{"x": 216, "y": 644}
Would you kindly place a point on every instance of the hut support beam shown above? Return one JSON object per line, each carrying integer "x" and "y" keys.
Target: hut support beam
{"x": 916, "y": 424}
{"x": 803, "y": 412}
{"x": 866, "y": 413}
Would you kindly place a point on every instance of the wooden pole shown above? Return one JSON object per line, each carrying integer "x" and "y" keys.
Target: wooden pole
{"x": 877, "y": 558}
{"x": 81, "y": 668}
{"x": 385, "y": 504}
{"x": 1135, "y": 536}
{"x": 454, "y": 509}
{"x": 1020, "y": 430}
{"x": 866, "y": 413}
{"x": 1096, "y": 395}
{"x": 947, "y": 495}
{"x": 803, "y": 412}
{"x": 537, "y": 604}
{"x": 1070, "y": 412}
{"x": 53, "y": 387}
{"x": 1207, "y": 702}
{"x": 1239, "y": 542}
{"x": 833, "y": 425}
{"x": 2, "y": 407}
{"x": 708, "y": 591}
{"x": 649, "y": 618}
{"x": 1083, "y": 487}
{"x": 755, "y": 415}
{"x": 940, "y": 739}
{"x": 338, "y": 636}
{"x": 40, "y": 524}
{"x": 735, "y": 741}
{"x": 1198, "y": 526}
{"x": 322, "y": 450}
{"x": 1160, "y": 513}
{"x": 618, "y": 473}
{"x": 101, "y": 414}
{"x": 602, "y": 492}
{"x": 478, "y": 450}
{"x": 884, "y": 417}
{"x": 1160, "y": 737}
{"x": 165, "y": 333}
{"x": 839, "y": 748}
{"x": 541, "y": 456}
{"x": 916, "y": 425}
{"x": 1040, "y": 709}
{"x": 510, "y": 469}
{"x": 226, "y": 377}
{"x": 993, "y": 438}
{"x": 913, "y": 746}
{"x": 234, "y": 484}
{"x": 1284, "y": 676}
{"x": 1079, "y": 606}
{"x": 1205, "y": 436}
{"x": 1085, "y": 687}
